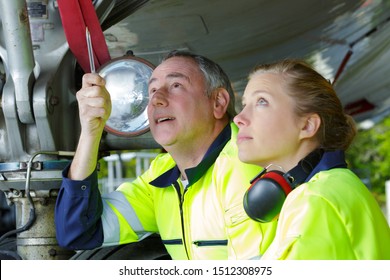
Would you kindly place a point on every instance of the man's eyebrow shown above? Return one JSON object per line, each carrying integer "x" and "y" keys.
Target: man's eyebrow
{"x": 178, "y": 75}
{"x": 171, "y": 76}
{"x": 151, "y": 81}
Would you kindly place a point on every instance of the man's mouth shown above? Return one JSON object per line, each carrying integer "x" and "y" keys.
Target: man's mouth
{"x": 160, "y": 120}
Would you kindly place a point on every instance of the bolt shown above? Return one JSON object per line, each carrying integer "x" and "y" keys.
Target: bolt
{"x": 52, "y": 252}
{"x": 54, "y": 100}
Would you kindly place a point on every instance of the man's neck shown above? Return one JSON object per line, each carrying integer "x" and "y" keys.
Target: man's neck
{"x": 188, "y": 156}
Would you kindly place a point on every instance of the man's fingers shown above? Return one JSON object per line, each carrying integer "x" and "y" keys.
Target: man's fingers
{"x": 90, "y": 112}
{"x": 91, "y": 79}
{"x": 93, "y": 99}
{"x": 93, "y": 92}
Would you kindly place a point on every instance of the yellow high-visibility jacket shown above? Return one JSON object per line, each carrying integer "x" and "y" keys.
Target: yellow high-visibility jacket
{"x": 206, "y": 220}
{"x": 332, "y": 217}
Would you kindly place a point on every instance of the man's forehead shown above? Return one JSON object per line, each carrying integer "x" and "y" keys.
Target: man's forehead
{"x": 176, "y": 67}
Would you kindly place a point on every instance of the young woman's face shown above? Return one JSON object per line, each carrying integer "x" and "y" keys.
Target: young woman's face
{"x": 269, "y": 130}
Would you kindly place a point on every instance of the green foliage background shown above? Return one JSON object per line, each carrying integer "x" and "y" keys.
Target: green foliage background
{"x": 369, "y": 157}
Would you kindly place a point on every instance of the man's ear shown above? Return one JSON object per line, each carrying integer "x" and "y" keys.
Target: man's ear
{"x": 311, "y": 124}
{"x": 221, "y": 102}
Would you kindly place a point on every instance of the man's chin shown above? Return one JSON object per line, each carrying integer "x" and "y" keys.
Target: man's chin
{"x": 165, "y": 142}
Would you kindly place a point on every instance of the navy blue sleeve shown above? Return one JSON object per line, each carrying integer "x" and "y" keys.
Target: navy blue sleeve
{"x": 78, "y": 213}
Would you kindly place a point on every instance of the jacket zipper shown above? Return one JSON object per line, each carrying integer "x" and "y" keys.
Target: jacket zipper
{"x": 173, "y": 242}
{"x": 181, "y": 200}
{"x": 201, "y": 243}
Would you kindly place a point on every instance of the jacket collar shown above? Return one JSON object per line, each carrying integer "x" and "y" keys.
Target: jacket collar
{"x": 333, "y": 159}
{"x": 195, "y": 173}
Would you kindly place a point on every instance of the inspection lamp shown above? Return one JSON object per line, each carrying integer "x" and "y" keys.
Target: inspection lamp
{"x": 127, "y": 80}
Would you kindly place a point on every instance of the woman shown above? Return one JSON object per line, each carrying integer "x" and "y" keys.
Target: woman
{"x": 290, "y": 113}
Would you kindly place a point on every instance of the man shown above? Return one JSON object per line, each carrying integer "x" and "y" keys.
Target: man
{"x": 192, "y": 196}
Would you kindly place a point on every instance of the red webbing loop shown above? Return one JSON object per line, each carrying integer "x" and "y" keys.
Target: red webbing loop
{"x": 342, "y": 65}
{"x": 76, "y": 15}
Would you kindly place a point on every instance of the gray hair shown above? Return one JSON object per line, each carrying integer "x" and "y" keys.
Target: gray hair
{"x": 213, "y": 74}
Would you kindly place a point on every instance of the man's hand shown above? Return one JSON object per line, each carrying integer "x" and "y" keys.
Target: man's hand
{"x": 94, "y": 105}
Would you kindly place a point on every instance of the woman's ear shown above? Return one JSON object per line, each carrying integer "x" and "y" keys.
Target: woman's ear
{"x": 221, "y": 102}
{"x": 311, "y": 125}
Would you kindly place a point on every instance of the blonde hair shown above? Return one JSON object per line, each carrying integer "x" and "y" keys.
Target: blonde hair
{"x": 314, "y": 94}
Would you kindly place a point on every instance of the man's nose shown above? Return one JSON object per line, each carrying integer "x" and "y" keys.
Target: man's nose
{"x": 159, "y": 98}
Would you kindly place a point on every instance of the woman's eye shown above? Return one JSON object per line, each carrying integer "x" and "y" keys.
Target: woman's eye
{"x": 262, "y": 101}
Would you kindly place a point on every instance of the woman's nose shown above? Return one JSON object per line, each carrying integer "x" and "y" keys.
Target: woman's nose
{"x": 239, "y": 119}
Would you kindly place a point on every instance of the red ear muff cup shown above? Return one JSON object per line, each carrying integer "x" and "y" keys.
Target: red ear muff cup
{"x": 265, "y": 197}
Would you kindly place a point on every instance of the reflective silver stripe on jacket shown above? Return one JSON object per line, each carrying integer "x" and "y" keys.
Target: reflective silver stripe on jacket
{"x": 110, "y": 221}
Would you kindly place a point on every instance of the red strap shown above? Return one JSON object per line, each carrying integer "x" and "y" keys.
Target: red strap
{"x": 76, "y": 15}
{"x": 342, "y": 65}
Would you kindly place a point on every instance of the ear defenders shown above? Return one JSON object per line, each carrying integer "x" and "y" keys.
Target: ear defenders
{"x": 265, "y": 197}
